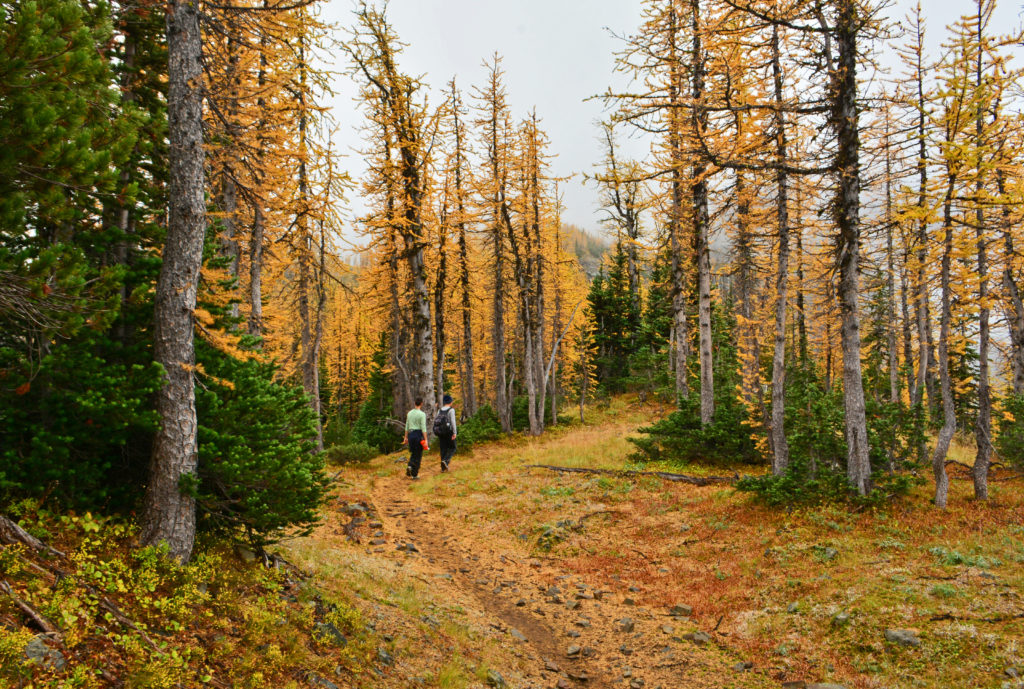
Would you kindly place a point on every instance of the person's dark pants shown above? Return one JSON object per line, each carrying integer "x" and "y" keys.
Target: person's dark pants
{"x": 447, "y": 450}
{"x": 415, "y": 452}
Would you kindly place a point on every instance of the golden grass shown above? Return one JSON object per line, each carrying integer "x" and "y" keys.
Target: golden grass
{"x": 772, "y": 580}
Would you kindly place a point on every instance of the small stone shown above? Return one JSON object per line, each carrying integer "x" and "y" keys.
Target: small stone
{"x": 582, "y": 622}
{"x": 1011, "y": 672}
{"x": 494, "y": 679}
{"x": 432, "y": 621}
{"x": 355, "y": 508}
{"x": 634, "y": 589}
{"x": 572, "y": 634}
{"x": 626, "y": 625}
{"x": 573, "y": 651}
{"x": 699, "y": 638}
{"x": 625, "y": 650}
{"x": 37, "y": 651}
{"x": 663, "y": 570}
{"x": 247, "y": 555}
{"x": 739, "y": 667}
{"x": 521, "y": 603}
{"x": 585, "y": 595}
{"x": 822, "y": 685}
{"x": 551, "y": 667}
{"x": 378, "y": 534}
{"x": 828, "y": 554}
{"x": 903, "y": 637}
{"x": 680, "y": 610}
{"x": 378, "y": 541}
{"x": 318, "y": 681}
{"x": 627, "y": 672}
{"x": 376, "y": 525}
{"x": 667, "y": 629}
{"x": 628, "y": 601}
{"x": 563, "y": 684}
{"x": 793, "y": 608}
{"x": 572, "y": 604}
{"x": 797, "y": 684}
{"x": 552, "y": 592}
{"x": 446, "y": 577}
{"x": 329, "y": 633}
{"x": 589, "y": 652}
{"x": 842, "y": 619}
{"x": 636, "y": 683}
{"x": 516, "y": 634}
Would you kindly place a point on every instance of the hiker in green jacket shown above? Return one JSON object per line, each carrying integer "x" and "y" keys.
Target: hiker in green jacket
{"x": 416, "y": 438}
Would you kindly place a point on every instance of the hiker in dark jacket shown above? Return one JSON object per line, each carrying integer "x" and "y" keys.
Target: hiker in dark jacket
{"x": 444, "y": 429}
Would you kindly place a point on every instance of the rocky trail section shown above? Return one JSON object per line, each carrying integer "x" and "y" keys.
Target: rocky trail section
{"x": 569, "y": 632}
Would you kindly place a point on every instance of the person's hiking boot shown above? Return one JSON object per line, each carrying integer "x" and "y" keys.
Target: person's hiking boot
{"x": 408, "y": 470}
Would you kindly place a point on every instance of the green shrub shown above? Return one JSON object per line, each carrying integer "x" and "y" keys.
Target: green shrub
{"x": 681, "y": 439}
{"x": 259, "y": 473}
{"x": 482, "y": 427}
{"x": 350, "y": 453}
{"x": 1009, "y": 442}
{"x": 375, "y": 426}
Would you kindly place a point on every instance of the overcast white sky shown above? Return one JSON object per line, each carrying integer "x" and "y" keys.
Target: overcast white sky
{"x": 557, "y": 53}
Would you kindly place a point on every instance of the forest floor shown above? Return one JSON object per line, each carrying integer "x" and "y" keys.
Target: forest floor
{"x": 499, "y": 574}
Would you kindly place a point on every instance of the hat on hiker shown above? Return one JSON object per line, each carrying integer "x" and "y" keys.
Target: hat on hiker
{"x": 447, "y": 399}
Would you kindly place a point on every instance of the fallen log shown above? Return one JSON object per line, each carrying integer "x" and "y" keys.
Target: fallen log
{"x": 676, "y": 478}
{"x": 12, "y": 534}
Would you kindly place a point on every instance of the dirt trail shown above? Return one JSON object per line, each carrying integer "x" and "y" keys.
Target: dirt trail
{"x": 501, "y": 585}
{"x": 571, "y": 629}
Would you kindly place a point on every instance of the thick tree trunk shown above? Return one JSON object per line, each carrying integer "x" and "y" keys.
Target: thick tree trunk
{"x": 469, "y": 403}
{"x": 256, "y": 272}
{"x": 679, "y": 324}
{"x": 744, "y": 252}
{"x": 801, "y": 318}
{"x": 701, "y": 229}
{"x": 537, "y": 254}
{"x": 259, "y": 221}
{"x": 169, "y": 513}
{"x": 848, "y": 210}
{"x": 780, "y": 448}
{"x": 501, "y": 402}
{"x": 310, "y": 343}
{"x": 948, "y": 411}
{"x": 1015, "y": 308}
{"x": 921, "y": 306}
{"x": 894, "y": 381}
{"x": 440, "y": 286}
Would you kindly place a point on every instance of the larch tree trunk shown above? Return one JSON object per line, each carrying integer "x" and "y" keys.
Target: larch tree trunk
{"x": 469, "y": 403}
{"x": 983, "y": 422}
{"x": 169, "y": 512}
{"x": 858, "y": 463}
{"x": 780, "y": 447}
{"x": 1015, "y": 308}
{"x": 701, "y": 230}
{"x": 945, "y": 382}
